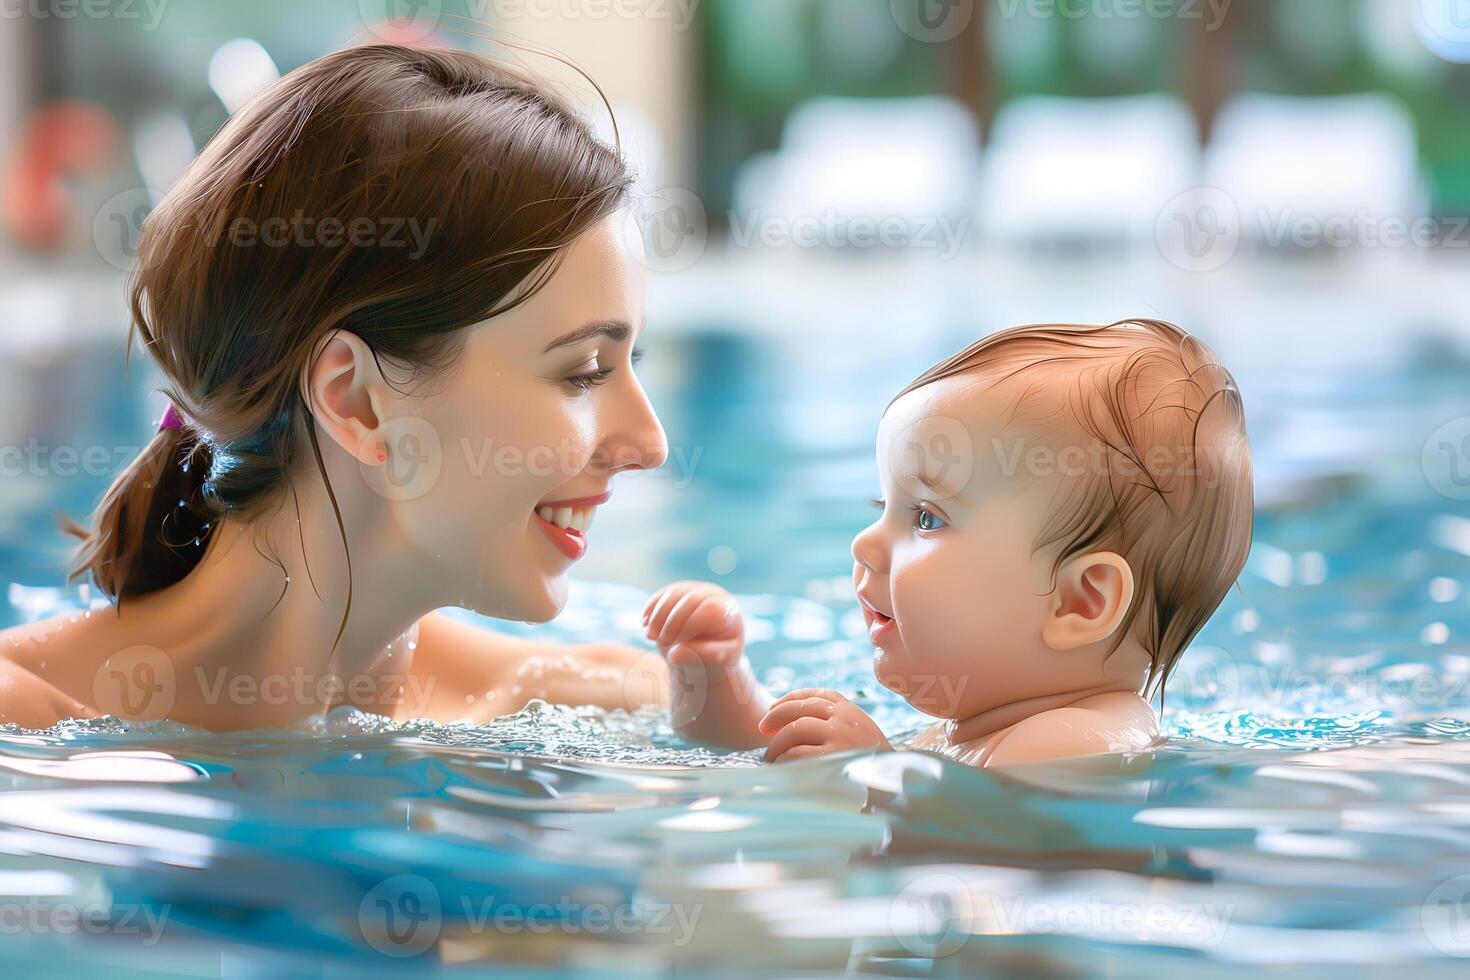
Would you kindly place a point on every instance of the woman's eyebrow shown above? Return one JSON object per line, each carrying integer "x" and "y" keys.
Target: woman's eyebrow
{"x": 615, "y": 329}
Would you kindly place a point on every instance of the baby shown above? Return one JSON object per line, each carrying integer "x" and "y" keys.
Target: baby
{"x": 1063, "y": 508}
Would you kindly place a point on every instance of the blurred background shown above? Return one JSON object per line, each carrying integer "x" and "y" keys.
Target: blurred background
{"x": 835, "y": 194}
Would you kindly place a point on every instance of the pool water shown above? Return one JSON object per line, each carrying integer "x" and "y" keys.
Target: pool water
{"x": 1310, "y": 810}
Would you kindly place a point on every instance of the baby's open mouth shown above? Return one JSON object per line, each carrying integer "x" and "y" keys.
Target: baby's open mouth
{"x": 565, "y": 522}
{"x": 879, "y": 624}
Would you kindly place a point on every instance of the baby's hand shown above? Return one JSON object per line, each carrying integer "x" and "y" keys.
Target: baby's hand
{"x": 714, "y": 697}
{"x": 815, "y": 721}
{"x": 696, "y": 624}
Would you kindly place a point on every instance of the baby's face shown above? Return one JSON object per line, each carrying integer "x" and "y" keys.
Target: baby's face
{"x": 954, "y": 597}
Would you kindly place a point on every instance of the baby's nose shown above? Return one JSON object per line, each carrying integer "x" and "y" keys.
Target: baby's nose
{"x": 868, "y": 551}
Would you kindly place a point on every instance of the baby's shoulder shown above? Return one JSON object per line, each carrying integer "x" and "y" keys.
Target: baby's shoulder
{"x": 1116, "y": 722}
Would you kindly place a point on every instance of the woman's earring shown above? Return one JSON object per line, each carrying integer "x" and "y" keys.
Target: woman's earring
{"x": 383, "y": 452}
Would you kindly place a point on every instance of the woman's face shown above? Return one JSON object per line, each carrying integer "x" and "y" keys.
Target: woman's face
{"x": 540, "y": 412}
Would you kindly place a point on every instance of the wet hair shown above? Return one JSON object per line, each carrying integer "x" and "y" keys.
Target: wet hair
{"x": 233, "y": 302}
{"x": 1171, "y": 491}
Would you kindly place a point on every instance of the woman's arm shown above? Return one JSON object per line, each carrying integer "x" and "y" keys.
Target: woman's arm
{"x": 30, "y": 702}
{"x": 465, "y": 672}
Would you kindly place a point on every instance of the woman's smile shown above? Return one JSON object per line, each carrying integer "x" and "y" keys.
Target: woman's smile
{"x": 566, "y": 522}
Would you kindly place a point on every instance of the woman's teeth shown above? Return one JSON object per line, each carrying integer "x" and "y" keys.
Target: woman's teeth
{"x": 573, "y": 518}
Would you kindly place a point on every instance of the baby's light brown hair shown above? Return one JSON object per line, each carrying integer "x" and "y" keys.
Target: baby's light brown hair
{"x": 1171, "y": 491}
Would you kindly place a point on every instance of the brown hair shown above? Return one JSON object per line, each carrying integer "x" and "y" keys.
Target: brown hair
{"x": 1174, "y": 492}
{"x": 231, "y": 300}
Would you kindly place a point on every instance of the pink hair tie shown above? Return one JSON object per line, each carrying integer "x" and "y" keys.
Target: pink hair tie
{"x": 171, "y": 418}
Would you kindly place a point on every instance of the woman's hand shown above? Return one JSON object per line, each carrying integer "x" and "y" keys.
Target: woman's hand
{"x": 714, "y": 697}
{"x": 816, "y": 721}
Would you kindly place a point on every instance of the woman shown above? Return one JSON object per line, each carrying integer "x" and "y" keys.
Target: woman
{"x": 396, "y": 312}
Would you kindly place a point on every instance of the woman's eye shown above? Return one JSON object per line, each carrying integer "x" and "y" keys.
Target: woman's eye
{"x": 927, "y": 520}
{"x": 589, "y": 379}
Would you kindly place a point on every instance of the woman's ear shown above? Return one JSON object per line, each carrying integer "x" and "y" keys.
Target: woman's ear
{"x": 344, "y": 389}
{"x": 1093, "y": 593}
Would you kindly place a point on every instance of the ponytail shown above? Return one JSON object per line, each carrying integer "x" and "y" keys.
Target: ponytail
{"x": 150, "y": 529}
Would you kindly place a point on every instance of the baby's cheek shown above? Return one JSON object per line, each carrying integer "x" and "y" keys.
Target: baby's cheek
{"x": 934, "y": 605}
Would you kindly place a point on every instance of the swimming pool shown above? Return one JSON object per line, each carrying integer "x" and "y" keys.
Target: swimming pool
{"x": 1310, "y": 812}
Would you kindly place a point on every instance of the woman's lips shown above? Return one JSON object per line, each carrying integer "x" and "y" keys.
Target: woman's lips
{"x": 569, "y": 541}
{"x": 565, "y": 522}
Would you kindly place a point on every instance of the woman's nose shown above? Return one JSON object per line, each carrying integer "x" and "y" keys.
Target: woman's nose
{"x": 868, "y": 549}
{"x": 635, "y": 439}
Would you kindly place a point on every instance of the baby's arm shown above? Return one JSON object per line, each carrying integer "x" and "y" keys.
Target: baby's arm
{"x": 714, "y": 697}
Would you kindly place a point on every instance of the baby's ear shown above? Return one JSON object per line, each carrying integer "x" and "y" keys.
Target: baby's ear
{"x": 1092, "y": 595}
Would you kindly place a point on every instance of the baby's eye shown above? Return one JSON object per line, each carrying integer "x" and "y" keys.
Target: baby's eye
{"x": 926, "y": 520}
